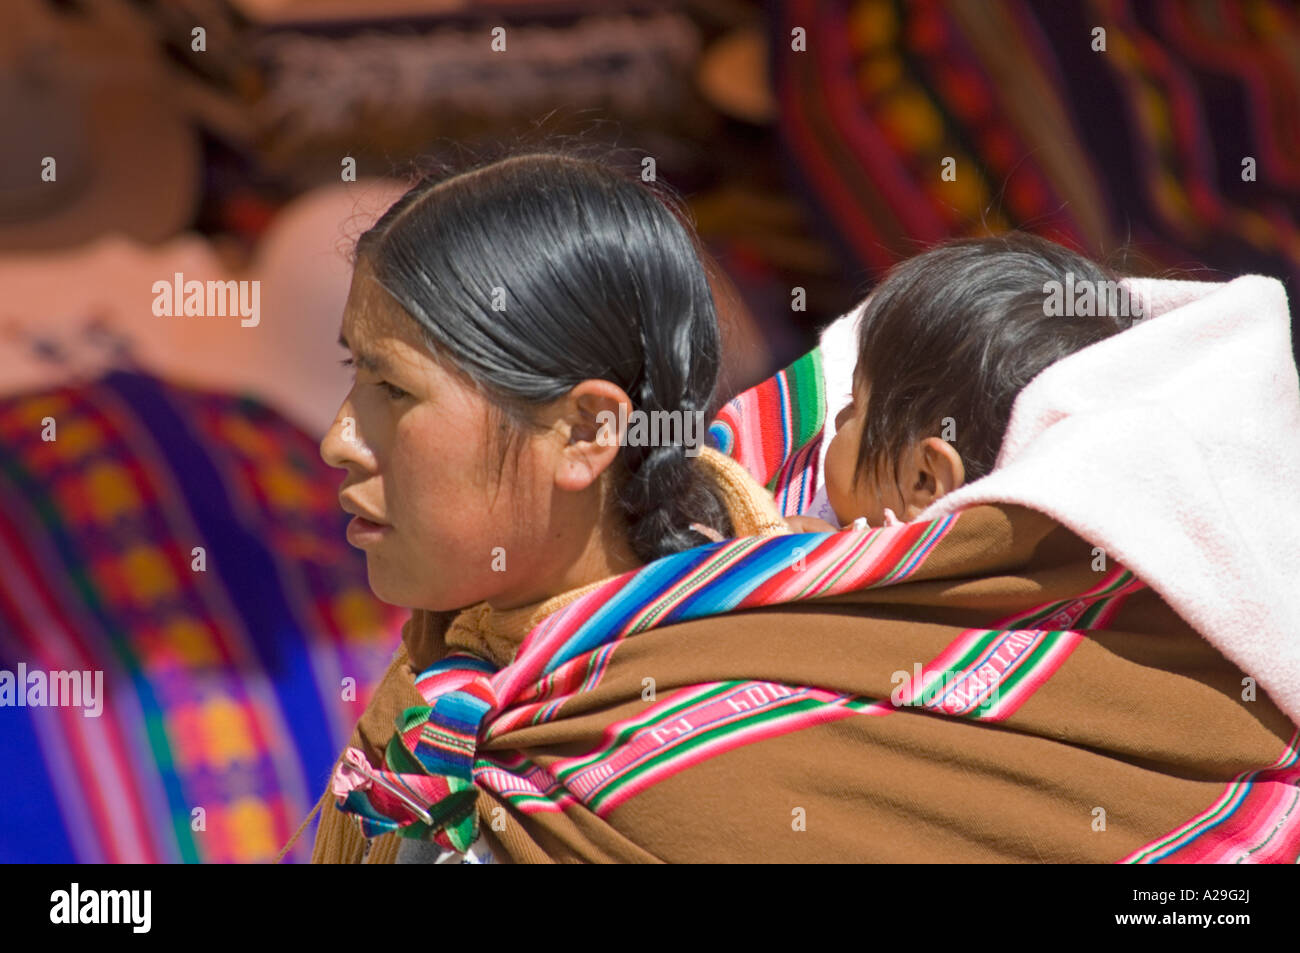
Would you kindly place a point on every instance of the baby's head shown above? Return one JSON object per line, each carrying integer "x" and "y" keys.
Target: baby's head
{"x": 946, "y": 342}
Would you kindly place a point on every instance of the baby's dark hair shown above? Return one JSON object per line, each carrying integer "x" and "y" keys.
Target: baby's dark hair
{"x": 958, "y": 331}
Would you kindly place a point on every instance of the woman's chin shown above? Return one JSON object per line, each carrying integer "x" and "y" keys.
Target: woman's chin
{"x": 385, "y": 587}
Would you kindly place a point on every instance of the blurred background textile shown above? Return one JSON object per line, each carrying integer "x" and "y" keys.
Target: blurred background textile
{"x": 213, "y": 138}
{"x": 224, "y": 687}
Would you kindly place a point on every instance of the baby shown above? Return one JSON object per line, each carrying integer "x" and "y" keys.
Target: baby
{"x": 945, "y": 344}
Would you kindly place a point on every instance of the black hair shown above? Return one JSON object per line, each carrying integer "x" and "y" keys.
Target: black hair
{"x": 959, "y": 330}
{"x": 594, "y": 274}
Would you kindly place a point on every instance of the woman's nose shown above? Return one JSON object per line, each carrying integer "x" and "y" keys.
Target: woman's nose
{"x": 329, "y": 444}
{"x": 342, "y": 444}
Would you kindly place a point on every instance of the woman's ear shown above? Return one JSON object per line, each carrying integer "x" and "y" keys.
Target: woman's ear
{"x": 592, "y": 425}
{"x": 936, "y": 471}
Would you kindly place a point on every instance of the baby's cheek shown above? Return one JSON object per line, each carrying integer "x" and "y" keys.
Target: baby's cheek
{"x": 836, "y": 475}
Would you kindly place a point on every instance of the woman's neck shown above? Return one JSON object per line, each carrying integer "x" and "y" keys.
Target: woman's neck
{"x": 606, "y": 552}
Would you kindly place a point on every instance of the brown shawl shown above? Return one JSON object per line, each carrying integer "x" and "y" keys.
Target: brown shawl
{"x": 1114, "y": 748}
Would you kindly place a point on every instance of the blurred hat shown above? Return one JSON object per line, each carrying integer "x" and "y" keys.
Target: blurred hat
{"x": 91, "y": 90}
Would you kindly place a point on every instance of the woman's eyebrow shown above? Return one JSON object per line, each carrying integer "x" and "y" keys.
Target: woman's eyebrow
{"x": 367, "y": 362}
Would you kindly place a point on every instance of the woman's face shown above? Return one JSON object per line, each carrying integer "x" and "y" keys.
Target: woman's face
{"x": 412, "y": 437}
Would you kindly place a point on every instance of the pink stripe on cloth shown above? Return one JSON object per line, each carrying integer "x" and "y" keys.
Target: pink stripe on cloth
{"x": 1255, "y": 820}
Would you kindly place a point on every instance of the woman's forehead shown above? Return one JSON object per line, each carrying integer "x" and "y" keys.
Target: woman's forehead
{"x": 373, "y": 322}
{"x": 370, "y": 311}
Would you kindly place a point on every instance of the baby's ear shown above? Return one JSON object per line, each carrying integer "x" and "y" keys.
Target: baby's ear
{"x": 936, "y": 471}
{"x": 945, "y": 465}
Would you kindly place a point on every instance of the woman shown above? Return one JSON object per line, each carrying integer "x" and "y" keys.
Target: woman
{"x": 491, "y": 316}
{"x": 585, "y": 677}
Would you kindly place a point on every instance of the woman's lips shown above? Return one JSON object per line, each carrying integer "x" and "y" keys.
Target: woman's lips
{"x": 362, "y": 532}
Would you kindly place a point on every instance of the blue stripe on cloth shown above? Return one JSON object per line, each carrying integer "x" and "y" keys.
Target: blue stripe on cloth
{"x": 460, "y": 712}
{"x": 32, "y": 828}
{"x": 628, "y": 602}
{"x": 725, "y": 592}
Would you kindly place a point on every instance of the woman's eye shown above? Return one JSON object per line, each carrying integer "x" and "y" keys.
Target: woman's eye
{"x": 393, "y": 392}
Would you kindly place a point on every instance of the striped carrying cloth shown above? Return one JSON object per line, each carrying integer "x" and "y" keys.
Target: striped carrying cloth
{"x": 974, "y": 688}
{"x": 775, "y": 430}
